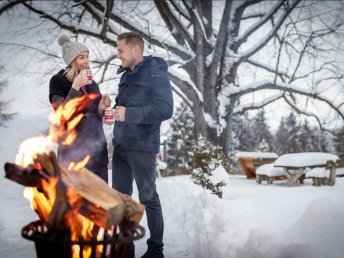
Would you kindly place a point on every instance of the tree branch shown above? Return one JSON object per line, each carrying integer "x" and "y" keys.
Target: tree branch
{"x": 9, "y": 5}
{"x": 220, "y": 44}
{"x": 183, "y": 53}
{"x": 173, "y": 24}
{"x": 244, "y": 108}
{"x": 267, "y": 68}
{"x": 180, "y": 10}
{"x": 29, "y": 47}
{"x": 243, "y": 38}
{"x": 285, "y": 88}
{"x": 186, "y": 88}
{"x": 109, "y": 6}
{"x": 299, "y": 111}
{"x": 262, "y": 43}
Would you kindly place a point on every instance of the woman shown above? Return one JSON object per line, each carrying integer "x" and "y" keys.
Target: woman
{"x": 68, "y": 84}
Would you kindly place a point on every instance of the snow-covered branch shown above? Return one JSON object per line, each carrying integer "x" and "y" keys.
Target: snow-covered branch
{"x": 180, "y": 10}
{"x": 242, "y": 108}
{"x": 177, "y": 29}
{"x": 262, "y": 43}
{"x": 220, "y": 44}
{"x": 285, "y": 87}
{"x": 243, "y": 38}
{"x": 181, "y": 78}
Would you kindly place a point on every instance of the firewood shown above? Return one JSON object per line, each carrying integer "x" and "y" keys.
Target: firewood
{"x": 93, "y": 189}
{"x": 29, "y": 176}
{"x": 56, "y": 221}
{"x": 78, "y": 191}
{"x": 46, "y": 162}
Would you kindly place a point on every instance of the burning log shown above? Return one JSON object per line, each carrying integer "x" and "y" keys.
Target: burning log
{"x": 29, "y": 176}
{"x": 80, "y": 191}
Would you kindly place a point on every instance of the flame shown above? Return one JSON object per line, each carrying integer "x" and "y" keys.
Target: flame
{"x": 75, "y": 166}
{"x": 66, "y": 117}
{"x": 63, "y": 121}
{"x": 29, "y": 149}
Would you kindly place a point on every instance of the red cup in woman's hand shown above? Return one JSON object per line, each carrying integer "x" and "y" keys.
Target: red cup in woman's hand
{"x": 89, "y": 76}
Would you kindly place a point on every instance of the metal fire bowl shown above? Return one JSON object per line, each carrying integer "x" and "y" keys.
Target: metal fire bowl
{"x": 37, "y": 231}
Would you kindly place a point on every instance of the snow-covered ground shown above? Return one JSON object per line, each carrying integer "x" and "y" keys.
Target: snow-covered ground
{"x": 250, "y": 221}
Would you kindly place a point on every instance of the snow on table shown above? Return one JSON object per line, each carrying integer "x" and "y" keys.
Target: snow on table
{"x": 269, "y": 170}
{"x": 304, "y": 159}
{"x": 255, "y": 155}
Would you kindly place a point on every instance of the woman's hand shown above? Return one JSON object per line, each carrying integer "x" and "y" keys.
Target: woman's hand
{"x": 80, "y": 80}
{"x": 104, "y": 103}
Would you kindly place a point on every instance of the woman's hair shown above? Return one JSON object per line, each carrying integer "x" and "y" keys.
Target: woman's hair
{"x": 71, "y": 71}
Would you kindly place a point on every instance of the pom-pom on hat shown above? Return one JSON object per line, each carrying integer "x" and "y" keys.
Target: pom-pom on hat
{"x": 70, "y": 50}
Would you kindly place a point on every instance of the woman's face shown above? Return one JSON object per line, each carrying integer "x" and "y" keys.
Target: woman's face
{"x": 82, "y": 62}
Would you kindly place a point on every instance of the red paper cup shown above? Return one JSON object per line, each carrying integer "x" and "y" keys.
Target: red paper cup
{"x": 89, "y": 76}
{"x": 109, "y": 118}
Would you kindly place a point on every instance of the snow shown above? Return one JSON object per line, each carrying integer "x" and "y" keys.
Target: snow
{"x": 184, "y": 76}
{"x": 252, "y": 220}
{"x": 340, "y": 171}
{"x": 269, "y": 170}
{"x": 255, "y": 155}
{"x": 219, "y": 175}
{"x": 304, "y": 159}
{"x": 318, "y": 172}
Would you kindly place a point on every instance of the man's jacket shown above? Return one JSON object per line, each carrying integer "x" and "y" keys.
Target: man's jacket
{"x": 146, "y": 94}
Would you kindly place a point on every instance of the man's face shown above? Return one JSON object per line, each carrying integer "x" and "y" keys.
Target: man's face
{"x": 126, "y": 53}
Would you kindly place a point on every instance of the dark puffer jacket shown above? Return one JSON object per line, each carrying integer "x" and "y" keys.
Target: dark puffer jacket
{"x": 146, "y": 94}
{"x": 90, "y": 134}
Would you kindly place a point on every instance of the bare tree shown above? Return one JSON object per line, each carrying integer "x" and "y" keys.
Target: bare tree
{"x": 226, "y": 57}
{"x": 4, "y": 105}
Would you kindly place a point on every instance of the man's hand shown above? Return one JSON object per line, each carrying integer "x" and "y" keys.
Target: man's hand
{"x": 104, "y": 103}
{"x": 120, "y": 114}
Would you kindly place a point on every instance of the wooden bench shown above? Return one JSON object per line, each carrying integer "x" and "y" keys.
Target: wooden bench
{"x": 264, "y": 177}
{"x": 331, "y": 180}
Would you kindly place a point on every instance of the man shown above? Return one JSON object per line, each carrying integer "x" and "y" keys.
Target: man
{"x": 144, "y": 100}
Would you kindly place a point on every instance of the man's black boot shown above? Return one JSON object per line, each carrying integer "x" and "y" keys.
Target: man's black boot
{"x": 151, "y": 253}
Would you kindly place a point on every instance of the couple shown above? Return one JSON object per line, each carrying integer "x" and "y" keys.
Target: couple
{"x": 144, "y": 100}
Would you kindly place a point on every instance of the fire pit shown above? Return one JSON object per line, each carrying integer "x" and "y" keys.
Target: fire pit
{"x": 113, "y": 243}
{"x": 80, "y": 214}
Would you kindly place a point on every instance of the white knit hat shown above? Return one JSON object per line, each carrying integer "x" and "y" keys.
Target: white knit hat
{"x": 70, "y": 50}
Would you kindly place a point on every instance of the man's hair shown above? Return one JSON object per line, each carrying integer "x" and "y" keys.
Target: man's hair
{"x": 132, "y": 38}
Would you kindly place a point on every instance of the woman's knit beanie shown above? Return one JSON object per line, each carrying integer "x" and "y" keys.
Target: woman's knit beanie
{"x": 70, "y": 50}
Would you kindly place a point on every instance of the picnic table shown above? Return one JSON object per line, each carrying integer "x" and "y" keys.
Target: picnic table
{"x": 294, "y": 164}
{"x": 246, "y": 161}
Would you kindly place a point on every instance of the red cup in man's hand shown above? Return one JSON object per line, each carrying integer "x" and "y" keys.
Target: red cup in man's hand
{"x": 109, "y": 118}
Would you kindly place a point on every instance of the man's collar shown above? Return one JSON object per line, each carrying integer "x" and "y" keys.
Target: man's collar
{"x": 121, "y": 69}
